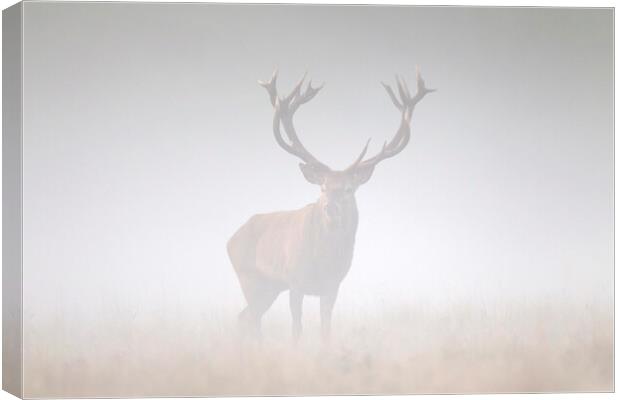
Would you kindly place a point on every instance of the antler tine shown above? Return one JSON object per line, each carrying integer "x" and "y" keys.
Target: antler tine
{"x": 420, "y": 82}
{"x": 397, "y": 103}
{"x": 270, "y": 86}
{"x": 422, "y": 89}
{"x": 393, "y": 147}
{"x": 308, "y": 94}
{"x": 284, "y": 110}
{"x": 296, "y": 90}
{"x": 405, "y": 105}
{"x": 403, "y": 90}
{"x": 360, "y": 157}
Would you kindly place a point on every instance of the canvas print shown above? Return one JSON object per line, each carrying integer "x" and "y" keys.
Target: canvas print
{"x": 240, "y": 200}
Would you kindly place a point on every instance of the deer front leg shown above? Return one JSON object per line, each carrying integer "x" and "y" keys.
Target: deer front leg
{"x": 327, "y": 306}
{"x": 296, "y": 299}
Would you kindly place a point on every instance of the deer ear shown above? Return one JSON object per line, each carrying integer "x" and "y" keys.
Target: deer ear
{"x": 362, "y": 175}
{"x": 312, "y": 173}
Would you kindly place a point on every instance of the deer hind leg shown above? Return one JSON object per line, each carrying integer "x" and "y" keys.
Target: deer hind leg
{"x": 260, "y": 295}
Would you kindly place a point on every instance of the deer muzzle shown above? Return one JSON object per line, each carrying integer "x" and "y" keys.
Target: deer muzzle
{"x": 333, "y": 212}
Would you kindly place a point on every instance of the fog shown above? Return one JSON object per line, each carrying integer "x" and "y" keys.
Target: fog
{"x": 486, "y": 243}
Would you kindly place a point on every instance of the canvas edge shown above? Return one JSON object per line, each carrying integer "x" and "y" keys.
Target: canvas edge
{"x": 12, "y": 76}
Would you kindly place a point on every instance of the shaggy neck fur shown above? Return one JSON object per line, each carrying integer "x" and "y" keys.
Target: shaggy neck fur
{"x": 345, "y": 225}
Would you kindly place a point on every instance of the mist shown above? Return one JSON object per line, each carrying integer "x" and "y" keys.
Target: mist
{"x": 485, "y": 246}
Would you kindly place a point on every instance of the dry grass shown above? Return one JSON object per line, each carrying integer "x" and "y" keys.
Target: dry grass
{"x": 461, "y": 349}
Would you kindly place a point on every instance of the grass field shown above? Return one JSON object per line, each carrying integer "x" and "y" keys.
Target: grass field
{"x": 459, "y": 349}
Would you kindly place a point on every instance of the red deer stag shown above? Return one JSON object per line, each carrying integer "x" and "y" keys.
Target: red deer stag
{"x": 309, "y": 251}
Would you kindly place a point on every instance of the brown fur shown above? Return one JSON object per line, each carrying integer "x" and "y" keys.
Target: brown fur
{"x": 298, "y": 250}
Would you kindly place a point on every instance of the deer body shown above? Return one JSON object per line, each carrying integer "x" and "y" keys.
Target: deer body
{"x": 311, "y": 255}
{"x": 308, "y": 251}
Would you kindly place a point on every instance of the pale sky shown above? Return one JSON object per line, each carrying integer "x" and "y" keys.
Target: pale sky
{"x": 147, "y": 143}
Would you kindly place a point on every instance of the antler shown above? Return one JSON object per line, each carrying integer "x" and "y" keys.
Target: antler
{"x": 405, "y": 103}
{"x": 284, "y": 110}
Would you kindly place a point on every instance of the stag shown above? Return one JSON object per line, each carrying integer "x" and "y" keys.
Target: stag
{"x": 308, "y": 251}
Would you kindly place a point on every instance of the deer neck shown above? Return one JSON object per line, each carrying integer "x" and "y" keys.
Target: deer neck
{"x": 346, "y": 225}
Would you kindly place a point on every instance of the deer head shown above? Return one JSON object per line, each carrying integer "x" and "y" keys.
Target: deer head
{"x": 338, "y": 187}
